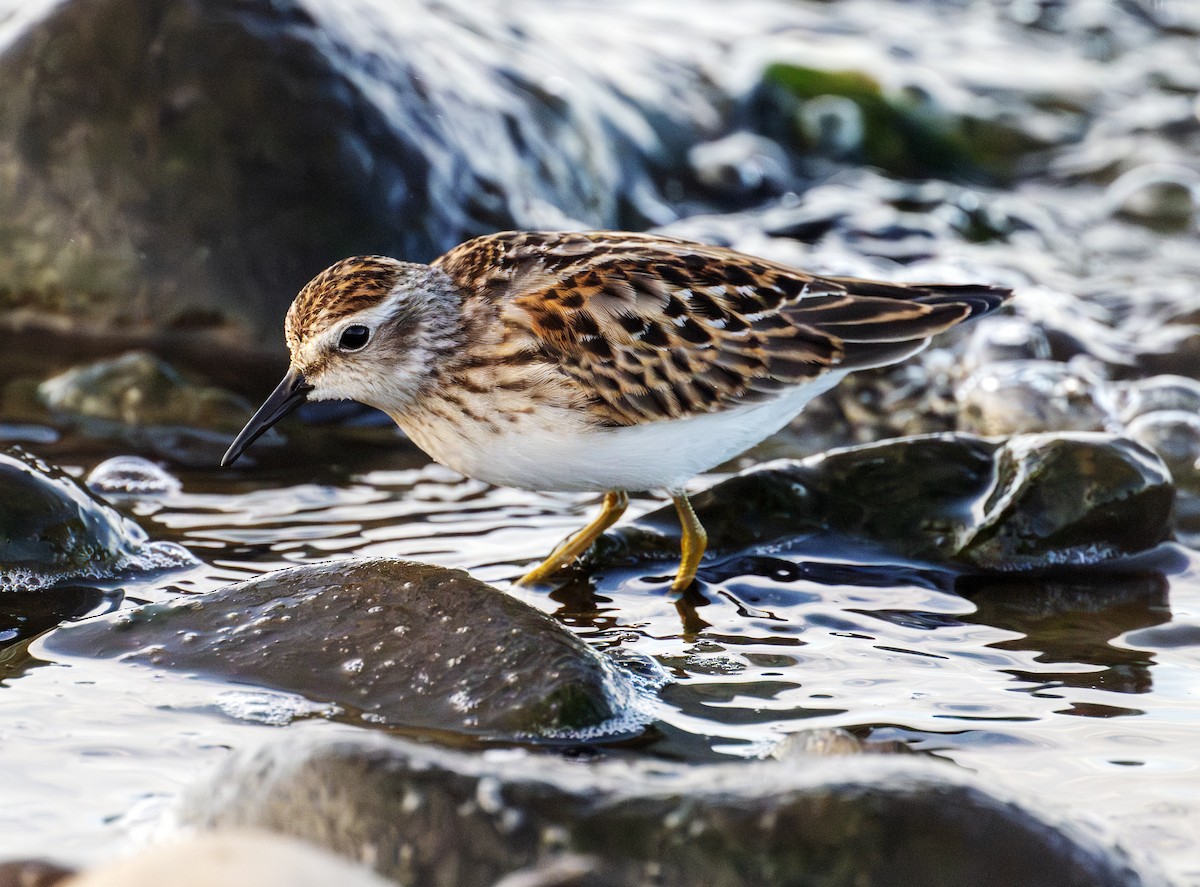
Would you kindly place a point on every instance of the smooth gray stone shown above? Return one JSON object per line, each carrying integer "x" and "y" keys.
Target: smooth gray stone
{"x": 438, "y": 818}
{"x": 52, "y": 529}
{"x": 145, "y": 403}
{"x": 391, "y": 643}
{"x": 1032, "y": 501}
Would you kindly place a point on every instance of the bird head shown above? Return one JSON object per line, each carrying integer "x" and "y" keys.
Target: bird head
{"x": 365, "y": 329}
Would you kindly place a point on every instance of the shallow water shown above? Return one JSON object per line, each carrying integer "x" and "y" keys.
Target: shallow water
{"x": 1057, "y": 692}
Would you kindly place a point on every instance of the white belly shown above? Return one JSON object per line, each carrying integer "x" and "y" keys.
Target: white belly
{"x": 556, "y": 452}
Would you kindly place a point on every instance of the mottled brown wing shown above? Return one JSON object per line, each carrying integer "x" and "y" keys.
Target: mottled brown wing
{"x": 657, "y": 328}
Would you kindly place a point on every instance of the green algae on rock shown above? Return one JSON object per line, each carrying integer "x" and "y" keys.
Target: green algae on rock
{"x": 1034, "y": 501}
{"x": 430, "y": 816}
{"x": 53, "y": 529}
{"x": 390, "y": 643}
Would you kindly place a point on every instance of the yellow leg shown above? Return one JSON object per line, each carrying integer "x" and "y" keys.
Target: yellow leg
{"x": 693, "y": 542}
{"x": 615, "y": 504}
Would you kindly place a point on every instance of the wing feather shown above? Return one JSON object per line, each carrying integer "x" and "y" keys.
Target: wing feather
{"x": 653, "y": 328}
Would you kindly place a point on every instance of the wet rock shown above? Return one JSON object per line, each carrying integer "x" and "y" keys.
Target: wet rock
{"x": 423, "y": 815}
{"x": 53, "y": 529}
{"x": 1032, "y": 501}
{"x": 132, "y": 476}
{"x": 1157, "y": 393}
{"x": 1021, "y": 396}
{"x": 143, "y": 401}
{"x": 912, "y": 133}
{"x": 141, "y": 206}
{"x": 1161, "y": 196}
{"x": 1175, "y": 350}
{"x": 243, "y": 857}
{"x": 742, "y": 165}
{"x": 388, "y": 643}
{"x": 829, "y": 742}
{"x": 139, "y": 389}
{"x": 1175, "y": 436}
{"x": 1005, "y": 339}
{"x": 1081, "y": 331}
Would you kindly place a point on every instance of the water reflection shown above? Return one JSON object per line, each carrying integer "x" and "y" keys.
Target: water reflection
{"x": 1070, "y": 620}
{"x": 26, "y": 614}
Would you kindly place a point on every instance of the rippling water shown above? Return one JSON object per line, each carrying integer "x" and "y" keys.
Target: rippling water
{"x": 1059, "y": 691}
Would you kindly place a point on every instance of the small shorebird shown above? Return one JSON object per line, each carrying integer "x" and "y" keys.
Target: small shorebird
{"x": 600, "y": 361}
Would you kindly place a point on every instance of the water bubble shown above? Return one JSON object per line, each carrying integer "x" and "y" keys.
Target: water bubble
{"x": 132, "y": 475}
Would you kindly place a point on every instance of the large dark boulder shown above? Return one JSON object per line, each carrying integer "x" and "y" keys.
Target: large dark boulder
{"x": 187, "y": 165}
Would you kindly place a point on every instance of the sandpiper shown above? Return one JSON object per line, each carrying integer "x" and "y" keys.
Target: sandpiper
{"x": 595, "y": 361}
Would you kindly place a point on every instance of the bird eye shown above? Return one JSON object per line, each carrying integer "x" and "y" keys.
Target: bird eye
{"x": 354, "y": 337}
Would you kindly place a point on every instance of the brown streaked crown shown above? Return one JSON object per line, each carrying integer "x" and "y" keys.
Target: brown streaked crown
{"x": 350, "y": 286}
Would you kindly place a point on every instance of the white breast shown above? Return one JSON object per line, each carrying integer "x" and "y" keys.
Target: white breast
{"x": 554, "y": 450}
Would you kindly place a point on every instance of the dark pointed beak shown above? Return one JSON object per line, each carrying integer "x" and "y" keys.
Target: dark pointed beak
{"x": 288, "y": 395}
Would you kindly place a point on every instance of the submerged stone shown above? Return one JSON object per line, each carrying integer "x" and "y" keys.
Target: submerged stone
{"x": 1005, "y": 338}
{"x": 1021, "y": 396}
{"x": 910, "y": 131}
{"x": 429, "y": 816}
{"x": 139, "y": 389}
{"x": 1175, "y": 436}
{"x": 1036, "y": 500}
{"x": 1072, "y": 616}
{"x": 830, "y": 742}
{"x": 144, "y": 402}
{"x": 390, "y": 643}
{"x": 1157, "y": 393}
{"x": 1162, "y": 196}
{"x": 53, "y": 529}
